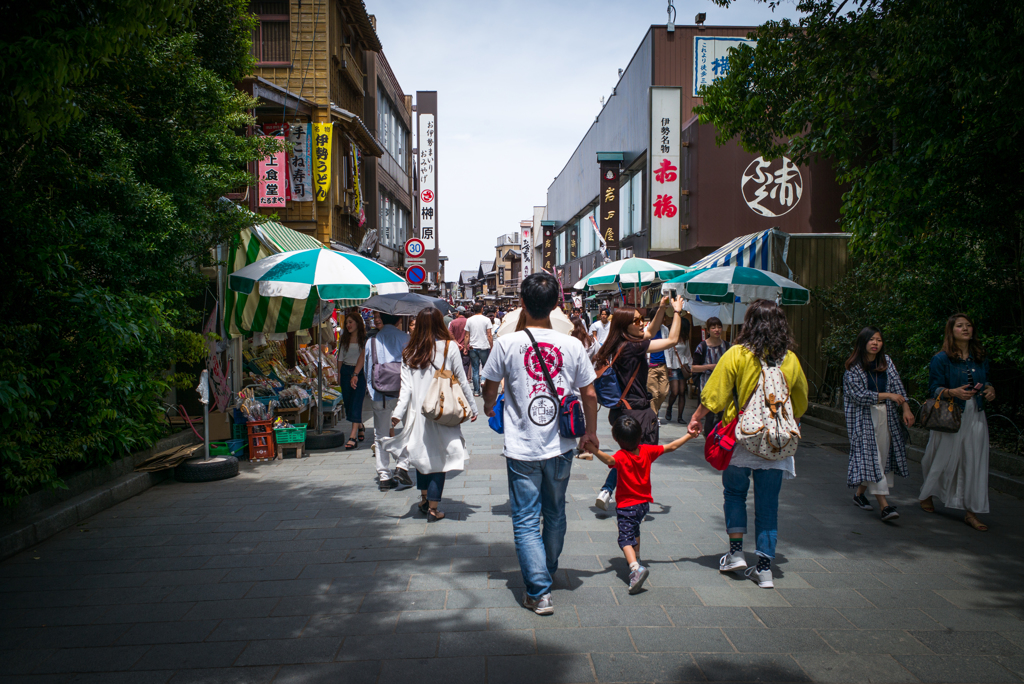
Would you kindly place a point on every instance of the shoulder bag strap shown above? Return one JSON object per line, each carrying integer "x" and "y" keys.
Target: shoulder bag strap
{"x": 373, "y": 352}
{"x": 543, "y": 366}
{"x": 622, "y": 399}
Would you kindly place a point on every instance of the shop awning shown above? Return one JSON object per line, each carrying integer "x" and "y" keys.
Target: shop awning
{"x": 253, "y": 313}
{"x": 766, "y": 251}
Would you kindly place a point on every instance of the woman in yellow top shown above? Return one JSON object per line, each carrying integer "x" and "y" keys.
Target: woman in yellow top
{"x": 765, "y": 338}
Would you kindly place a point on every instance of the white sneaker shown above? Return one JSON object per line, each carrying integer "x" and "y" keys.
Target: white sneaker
{"x": 540, "y": 606}
{"x": 762, "y": 577}
{"x": 603, "y": 499}
{"x": 732, "y": 561}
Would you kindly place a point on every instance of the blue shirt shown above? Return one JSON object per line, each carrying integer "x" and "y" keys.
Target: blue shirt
{"x": 390, "y": 342}
{"x": 658, "y": 358}
{"x": 944, "y": 372}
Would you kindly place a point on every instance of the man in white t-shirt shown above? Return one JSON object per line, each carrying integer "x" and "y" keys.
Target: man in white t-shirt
{"x": 478, "y": 327}
{"x": 599, "y": 328}
{"x": 538, "y": 458}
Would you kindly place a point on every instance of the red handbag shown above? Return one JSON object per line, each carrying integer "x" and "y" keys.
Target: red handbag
{"x": 719, "y": 445}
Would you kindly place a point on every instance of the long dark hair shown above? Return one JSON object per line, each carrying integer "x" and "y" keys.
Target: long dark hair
{"x": 430, "y": 328}
{"x": 765, "y": 331}
{"x": 346, "y": 336}
{"x": 618, "y": 333}
{"x": 974, "y": 347}
{"x": 860, "y": 350}
{"x": 579, "y": 331}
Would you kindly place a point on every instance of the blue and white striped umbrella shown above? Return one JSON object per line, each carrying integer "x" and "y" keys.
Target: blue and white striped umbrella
{"x": 335, "y": 275}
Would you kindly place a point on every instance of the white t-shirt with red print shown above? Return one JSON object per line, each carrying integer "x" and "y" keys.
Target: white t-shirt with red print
{"x": 531, "y": 413}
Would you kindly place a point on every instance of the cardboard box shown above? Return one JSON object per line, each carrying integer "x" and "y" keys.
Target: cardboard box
{"x": 220, "y": 426}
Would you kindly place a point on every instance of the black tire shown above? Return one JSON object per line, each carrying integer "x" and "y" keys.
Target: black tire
{"x": 326, "y": 440}
{"x": 200, "y": 470}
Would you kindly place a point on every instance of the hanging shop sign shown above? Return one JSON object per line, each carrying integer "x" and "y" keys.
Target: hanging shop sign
{"x": 526, "y": 242}
{"x": 609, "y": 214}
{"x": 711, "y": 58}
{"x": 664, "y": 168}
{"x": 280, "y": 131}
{"x": 273, "y": 178}
{"x": 548, "y": 250}
{"x": 300, "y": 163}
{"x": 322, "y": 159}
{"x": 501, "y": 275}
{"x": 574, "y": 242}
{"x": 428, "y": 191}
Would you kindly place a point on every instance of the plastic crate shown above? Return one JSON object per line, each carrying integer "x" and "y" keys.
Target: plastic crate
{"x": 291, "y": 435}
{"x": 238, "y": 432}
{"x": 261, "y": 441}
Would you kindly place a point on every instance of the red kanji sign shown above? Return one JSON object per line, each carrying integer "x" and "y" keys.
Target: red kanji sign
{"x": 666, "y": 172}
{"x": 427, "y": 196}
{"x": 663, "y": 207}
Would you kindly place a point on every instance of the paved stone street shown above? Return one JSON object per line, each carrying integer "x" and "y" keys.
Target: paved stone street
{"x": 301, "y": 571}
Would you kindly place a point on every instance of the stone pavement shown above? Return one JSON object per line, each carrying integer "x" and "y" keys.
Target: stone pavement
{"x": 301, "y": 571}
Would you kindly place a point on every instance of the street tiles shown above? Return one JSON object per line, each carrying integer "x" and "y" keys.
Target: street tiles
{"x": 301, "y": 571}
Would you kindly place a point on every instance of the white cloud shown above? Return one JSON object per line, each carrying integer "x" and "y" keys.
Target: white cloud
{"x": 518, "y": 85}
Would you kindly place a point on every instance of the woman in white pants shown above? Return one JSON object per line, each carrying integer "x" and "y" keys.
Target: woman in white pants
{"x": 433, "y": 449}
{"x": 872, "y": 396}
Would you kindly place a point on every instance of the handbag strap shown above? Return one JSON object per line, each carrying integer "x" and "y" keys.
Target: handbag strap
{"x": 373, "y": 351}
{"x": 622, "y": 399}
{"x": 543, "y": 366}
{"x": 444, "y": 359}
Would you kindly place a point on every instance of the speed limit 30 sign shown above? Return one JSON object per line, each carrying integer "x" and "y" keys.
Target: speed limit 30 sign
{"x": 414, "y": 247}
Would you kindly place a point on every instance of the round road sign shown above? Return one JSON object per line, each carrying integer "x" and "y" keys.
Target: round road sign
{"x": 427, "y": 196}
{"x": 416, "y": 275}
{"x": 414, "y": 247}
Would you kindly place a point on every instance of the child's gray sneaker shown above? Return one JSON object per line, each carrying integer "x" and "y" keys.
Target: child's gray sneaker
{"x": 731, "y": 562}
{"x": 540, "y": 606}
{"x": 637, "y": 578}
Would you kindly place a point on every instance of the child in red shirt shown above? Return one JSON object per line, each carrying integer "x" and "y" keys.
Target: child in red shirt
{"x": 633, "y": 499}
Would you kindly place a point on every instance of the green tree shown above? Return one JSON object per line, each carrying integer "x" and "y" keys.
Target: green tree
{"x": 918, "y": 104}
{"x": 117, "y": 170}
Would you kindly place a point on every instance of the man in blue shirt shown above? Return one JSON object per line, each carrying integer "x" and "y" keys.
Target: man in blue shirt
{"x": 388, "y": 344}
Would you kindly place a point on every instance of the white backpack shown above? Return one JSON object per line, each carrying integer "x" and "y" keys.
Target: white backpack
{"x": 767, "y": 427}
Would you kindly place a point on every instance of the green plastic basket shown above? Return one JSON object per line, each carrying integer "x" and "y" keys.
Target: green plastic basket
{"x": 291, "y": 435}
{"x": 238, "y": 431}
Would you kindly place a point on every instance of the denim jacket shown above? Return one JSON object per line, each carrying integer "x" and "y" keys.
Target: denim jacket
{"x": 947, "y": 373}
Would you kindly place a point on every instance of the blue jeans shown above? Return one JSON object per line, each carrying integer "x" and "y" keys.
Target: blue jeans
{"x": 767, "y": 484}
{"x": 431, "y": 483}
{"x": 478, "y": 359}
{"x": 610, "y": 481}
{"x": 537, "y": 488}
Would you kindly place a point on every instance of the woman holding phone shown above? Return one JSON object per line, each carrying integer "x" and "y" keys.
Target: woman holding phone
{"x": 955, "y": 464}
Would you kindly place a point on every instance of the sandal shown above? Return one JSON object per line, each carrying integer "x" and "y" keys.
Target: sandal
{"x": 350, "y": 444}
{"x": 927, "y": 506}
{"x": 362, "y": 434}
{"x": 424, "y": 507}
{"x": 434, "y": 515}
{"x": 973, "y": 521}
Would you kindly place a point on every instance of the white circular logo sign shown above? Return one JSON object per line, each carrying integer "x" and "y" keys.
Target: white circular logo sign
{"x": 772, "y": 188}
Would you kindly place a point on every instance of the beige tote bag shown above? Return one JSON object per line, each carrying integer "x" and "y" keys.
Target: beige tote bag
{"x": 446, "y": 402}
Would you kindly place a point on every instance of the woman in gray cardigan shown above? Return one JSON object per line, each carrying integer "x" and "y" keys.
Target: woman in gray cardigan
{"x": 872, "y": 396}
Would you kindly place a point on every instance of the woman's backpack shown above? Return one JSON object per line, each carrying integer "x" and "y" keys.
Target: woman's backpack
{"x": 609, "y": 392}
{"x": 767, "y": 427}
{"x": 445, "y": 403}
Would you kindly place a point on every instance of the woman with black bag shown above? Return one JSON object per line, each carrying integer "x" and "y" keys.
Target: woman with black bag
{"x": 626, "y": 349}
{"x": 955, "y": 464}
{"x": 872, "y": 395}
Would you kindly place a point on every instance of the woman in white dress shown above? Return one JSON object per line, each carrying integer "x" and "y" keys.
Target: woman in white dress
{"x": 955, "y": 464}
{"x": 433, "y": 449}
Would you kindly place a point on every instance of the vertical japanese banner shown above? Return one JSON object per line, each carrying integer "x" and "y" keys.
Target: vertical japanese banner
{"x": 526, "y": 243}
{"x": 280, "y": 131}
{"x": 663, "y": 159}
{"x": 428, "y": 191}
{"x": 272, "y": 178}
{"x": 609, "y": 209}
{"x": 322, "y": 159}
{"x": 501, "y": 274}
{"x": 574, "y": 242}
{"x": 300, "y": 163}
{"x": 548, "y": 249}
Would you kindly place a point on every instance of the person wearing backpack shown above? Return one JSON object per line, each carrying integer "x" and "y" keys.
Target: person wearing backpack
{"x": 430, "y": 443}
{"x": 624, "y": 354}
{"x": 384, "y": 381}
{"x": 543, "y": 370}
{"x": 759, "y": 365}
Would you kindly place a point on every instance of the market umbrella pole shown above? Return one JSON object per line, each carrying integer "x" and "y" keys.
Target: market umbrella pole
{"x": 319, "y": 384}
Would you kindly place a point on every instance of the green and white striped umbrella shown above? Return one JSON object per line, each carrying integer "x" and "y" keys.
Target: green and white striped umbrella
{"x": 737, "y": 283}
{"x": 334, "y": 275}
{"x": 632, "y": 272}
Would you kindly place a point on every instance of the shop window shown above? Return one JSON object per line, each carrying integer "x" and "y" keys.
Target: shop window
{"x": 270, "y": 38}
{"x": 625, "y": 210}
{"x": 636, "y": 193}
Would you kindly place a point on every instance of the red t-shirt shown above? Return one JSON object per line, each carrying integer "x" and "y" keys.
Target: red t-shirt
{"x": 634, "y": 485}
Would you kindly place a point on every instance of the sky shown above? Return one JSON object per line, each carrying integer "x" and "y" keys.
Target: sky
{"x": 518, "y": 84}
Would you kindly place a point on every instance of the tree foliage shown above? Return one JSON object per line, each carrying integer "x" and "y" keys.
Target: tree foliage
{"x": 125, "y": 139}
{"x": 918, "y": 104}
